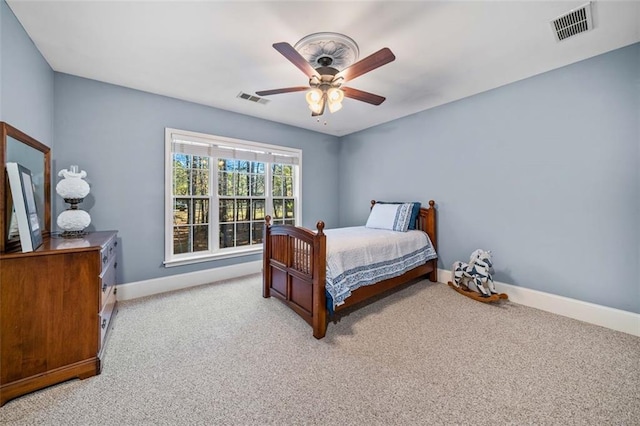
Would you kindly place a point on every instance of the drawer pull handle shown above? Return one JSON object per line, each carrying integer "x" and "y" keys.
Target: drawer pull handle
{"x": 115, "y": 265}
{"x": 104, "y": 322}
{"x": 104, "y": 259}
{"x": 104, "y": 287}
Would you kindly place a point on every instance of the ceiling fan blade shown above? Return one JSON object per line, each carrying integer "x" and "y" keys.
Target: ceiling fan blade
{"x": 296, "y": 58}
{"x": 283, "y": 90}
{"x": 371, "y": 62}
{"x": 360, "y": 95}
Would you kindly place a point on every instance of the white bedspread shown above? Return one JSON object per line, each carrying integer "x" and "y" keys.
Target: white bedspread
{"x": 359, "y": 256}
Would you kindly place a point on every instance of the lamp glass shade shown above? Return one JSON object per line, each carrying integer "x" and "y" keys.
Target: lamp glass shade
{"x": 335, "y": 106}
{"x": 335, "y": 95}
{"x": 316, "y": 106}
{"x": 72, "y": 184}
{"x": 314, "y": 96}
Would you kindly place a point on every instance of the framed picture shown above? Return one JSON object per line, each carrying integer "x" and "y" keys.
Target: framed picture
{"x": 24, "y": 203}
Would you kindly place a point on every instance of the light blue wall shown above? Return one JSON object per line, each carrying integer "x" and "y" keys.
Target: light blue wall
{"x": 26, "y": 81}
{"x": 117, "y": 135}
{"x": 544, "y": 172}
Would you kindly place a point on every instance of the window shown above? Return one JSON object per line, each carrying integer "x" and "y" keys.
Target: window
{"x": 220, "y": 190}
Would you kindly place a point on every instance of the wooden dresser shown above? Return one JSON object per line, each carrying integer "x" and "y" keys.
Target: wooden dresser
{"x": 56, "y": 305}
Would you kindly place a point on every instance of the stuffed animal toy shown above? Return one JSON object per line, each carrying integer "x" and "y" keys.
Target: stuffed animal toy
{"x": 475, "y": 275}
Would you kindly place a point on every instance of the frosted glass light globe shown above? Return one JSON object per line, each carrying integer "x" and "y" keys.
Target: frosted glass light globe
{"x": 73, "y": 220}
{"x": 72, "y": 186}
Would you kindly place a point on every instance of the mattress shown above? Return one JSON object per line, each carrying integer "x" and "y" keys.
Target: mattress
{"x": 358, "y": 256}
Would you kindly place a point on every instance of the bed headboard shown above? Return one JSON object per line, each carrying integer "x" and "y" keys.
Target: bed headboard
{"x": 426, "y": 221}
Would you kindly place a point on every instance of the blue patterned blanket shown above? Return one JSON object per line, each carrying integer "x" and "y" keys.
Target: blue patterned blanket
{"x": 359, "y": 256}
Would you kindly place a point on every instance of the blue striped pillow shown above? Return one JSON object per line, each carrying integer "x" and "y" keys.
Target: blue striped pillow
{"x": 395, "y": 217}
{"x": 414, "y": 213}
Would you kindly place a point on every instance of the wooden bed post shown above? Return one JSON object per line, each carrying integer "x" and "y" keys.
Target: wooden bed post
{"x": 266, "y": 255}
{"x": 431, "y": 226}
{"x": 319, "y": 280}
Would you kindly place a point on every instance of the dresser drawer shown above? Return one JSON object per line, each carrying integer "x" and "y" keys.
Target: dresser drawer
{"x": 107, "y": 280}
{"x": 108, "y": 252}
{"x": 106, "y": 315}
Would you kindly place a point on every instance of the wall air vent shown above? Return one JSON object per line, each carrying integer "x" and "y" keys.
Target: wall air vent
{"x": 573, "y": 22}
{"x": 253, "y": 98}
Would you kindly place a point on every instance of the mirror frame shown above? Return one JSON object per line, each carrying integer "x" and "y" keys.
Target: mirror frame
{"x": 6, "y": 130}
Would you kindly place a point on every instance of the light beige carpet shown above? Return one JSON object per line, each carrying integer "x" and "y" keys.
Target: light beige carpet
{"x": 221, "y": 354}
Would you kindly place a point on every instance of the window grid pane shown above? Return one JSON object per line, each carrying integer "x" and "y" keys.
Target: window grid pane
{"x": 190, "y": 203}
{"x": 241, "y": 192}
{"x": 200, "y": 238}
{"x": 282, "y": 191}
{"x": 181, "y": 239}
{"x": 227, "y": 235}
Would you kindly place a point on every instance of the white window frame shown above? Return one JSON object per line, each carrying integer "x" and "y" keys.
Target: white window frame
{"x": 213, "y": 146}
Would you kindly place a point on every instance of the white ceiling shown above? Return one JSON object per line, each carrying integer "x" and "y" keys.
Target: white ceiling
{"x": 209, "y": 51}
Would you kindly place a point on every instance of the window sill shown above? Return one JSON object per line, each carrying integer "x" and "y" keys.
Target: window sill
{"x": 209, "y": 257}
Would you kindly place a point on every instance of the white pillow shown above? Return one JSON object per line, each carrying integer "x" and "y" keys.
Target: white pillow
{"x": 395, "y": 217}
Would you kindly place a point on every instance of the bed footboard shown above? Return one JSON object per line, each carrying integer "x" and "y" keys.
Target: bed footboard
{"x": 294, "y": 270}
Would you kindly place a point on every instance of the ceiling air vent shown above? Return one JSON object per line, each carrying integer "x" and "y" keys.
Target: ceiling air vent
{"x": 573, "y": 22}
{"x": 253, "y": 98}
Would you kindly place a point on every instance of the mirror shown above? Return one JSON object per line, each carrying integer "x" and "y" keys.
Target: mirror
{"x": 18, "y": 147}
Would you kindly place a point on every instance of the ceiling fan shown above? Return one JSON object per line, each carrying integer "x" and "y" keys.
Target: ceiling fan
{"x": 325, "y": 82}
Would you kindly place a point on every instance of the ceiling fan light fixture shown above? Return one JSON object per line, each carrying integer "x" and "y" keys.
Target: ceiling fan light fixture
{"x": 314, "y": 96}
{"x": 316, "y": 106}
{"x": 335, "y": 106}
{"x": 335, "y": 95}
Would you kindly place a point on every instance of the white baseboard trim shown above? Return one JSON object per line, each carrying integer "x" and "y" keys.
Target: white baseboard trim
{"x": 153, "y": 286}
{"x": 615, "y": 319}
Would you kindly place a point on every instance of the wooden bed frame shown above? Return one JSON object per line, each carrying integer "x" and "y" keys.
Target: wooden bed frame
{"x": 295, "y": 267}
